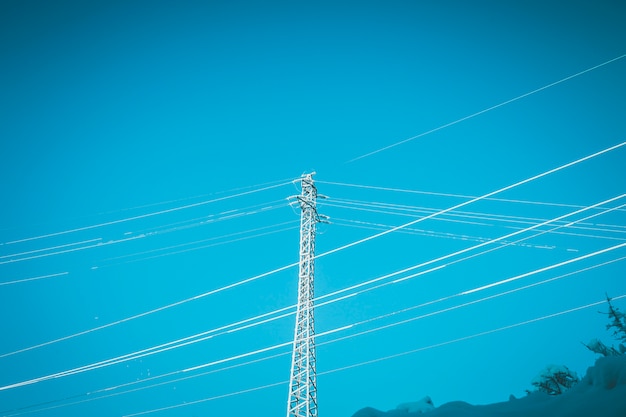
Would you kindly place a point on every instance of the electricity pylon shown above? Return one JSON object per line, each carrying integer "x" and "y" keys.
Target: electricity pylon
{"x": 303, "y": 382}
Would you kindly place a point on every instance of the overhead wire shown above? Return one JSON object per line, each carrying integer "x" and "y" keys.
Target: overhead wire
{"x": 387, "y": 315}
{"x": 358, "y": 224}
{"x": 380, "y": 359}
{"x": 15, "y": 257}
{"x": 488, "y": 109}
{"x": 256, "y": 277}
{"x": 447, "y": 264}
{"x": 19, "y": 281}
{"x": 161, "y": 203}
{"x": 214, "y": 238}
{"x": 465, "y": 203}
{"x": 461, "y": 251}
{"x": 282, "y": 268}
{"x": 463, "y": 196}
{"x": 50, "y": 248}
{"x": 215, "y": 218}
{"x": 100, "y": 244}
{"x": 485, "y": 333}
{"x": 177, "y": 344}
{"x": 170, "y": 346}
{"x": 411, "y": 211}
{"x": 143, "y": 216}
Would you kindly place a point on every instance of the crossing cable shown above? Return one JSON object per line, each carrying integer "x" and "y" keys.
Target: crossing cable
{"x": 19, "y": 281}
{"x": 459, "y": 252}
{"x": 218, "y": 238}
{"x": 156, "y": 213}
{"x": 178, "y": 200}
{"x": 463, "y": 196}
{"x": 51, "y": 248}
{"x": 357, "y": 224}
{"x": 286, "y": 267}
{"x": 457, "y": 206}
{"x": 369, "y": 362}
{"x": 449, "y": 263}
{"x": 133, "y": 356}
{"x": 259, "y": 276}
{"x": 549, "y": 316}
{"x": 499, "y": 191}
{"x": 213, "y": 218}
{"x": 92, "y": 393}
{"x": 242, "y": 324}
{"x": 360, "y": 224}
{"x": 100, "y": 244}
{"x": 411, "y": 211}
{"x": 504, "y": 103}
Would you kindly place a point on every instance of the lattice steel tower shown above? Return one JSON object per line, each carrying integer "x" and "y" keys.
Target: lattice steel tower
{"x": 303, "y": 384}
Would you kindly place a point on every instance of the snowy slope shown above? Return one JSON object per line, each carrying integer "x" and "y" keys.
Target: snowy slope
{"x": 602, "y": 392}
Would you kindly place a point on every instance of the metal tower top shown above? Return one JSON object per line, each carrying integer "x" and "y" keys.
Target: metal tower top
{"x": 303, "y": 382}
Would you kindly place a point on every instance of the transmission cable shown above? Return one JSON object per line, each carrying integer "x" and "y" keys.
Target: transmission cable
{"x": 333, "y": 331}
{"x": 384, "y": 277}
{"x": 410, "y": 211}
{"x": 143, "y": 216}
{"x": 487, "y": 109}
{"x": 19, "y": 281}
{"x": 369, "y": 362}
{"x": 140, "y": 235}
{"x": 463, "y": 196}
{"x": 283, "y": 268}
{"x": 132, "y": 356}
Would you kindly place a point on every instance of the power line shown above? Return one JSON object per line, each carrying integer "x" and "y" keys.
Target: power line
{"x": 480, "y": 300}
{"x": 161, "y": 203}
{"x": 412, "y": 211}
{"x": 459, "y": 252}
{"x": 81, "y": 248}
{"x": 549, "y": 316}
{"x": 175, "y": 344}
{"x": 425, "y": 232}
{"x": 414, "y": 275}
{"x": 463, "y": 196}
{"x": 143, "y": 216}
{"x": 149, "y": 312}
{"x": 509, "y": 187}
{"x": 215, "y": 218}
{"x": 341, "y": 328}
{"x": 50, "y": 248}
{"x": 19, "y": 281}
{"x": 380, "y": 359}
{"x": 215, "y": 238}
{"x": 335, "y": 292}
{"x": 178, "y": 343}
{"x": 283, "y": 268}
{"x": 142, "y": 235}
{"x": 487, "y": 109}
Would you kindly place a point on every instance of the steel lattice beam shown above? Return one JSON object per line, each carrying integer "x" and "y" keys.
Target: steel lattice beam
{"x": 303, "y": 383}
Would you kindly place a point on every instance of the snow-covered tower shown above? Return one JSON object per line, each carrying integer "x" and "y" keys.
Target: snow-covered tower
{"x": 303, "y": 384}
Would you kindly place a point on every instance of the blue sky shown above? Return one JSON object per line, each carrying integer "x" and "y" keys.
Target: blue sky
{"x": 112, "y": 112}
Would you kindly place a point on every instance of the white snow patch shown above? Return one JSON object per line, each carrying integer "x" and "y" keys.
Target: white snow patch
{"x": 422, "y": 406}
{"x": 602, "y": 392}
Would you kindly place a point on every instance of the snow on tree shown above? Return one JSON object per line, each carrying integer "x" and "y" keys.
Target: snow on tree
{"x": 618, "y": 324}
{"x": 555, "y": 380}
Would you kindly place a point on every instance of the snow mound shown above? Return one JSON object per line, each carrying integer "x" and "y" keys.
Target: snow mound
{"x": 422, "y": 406}
{"x": 602, "y": 392}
